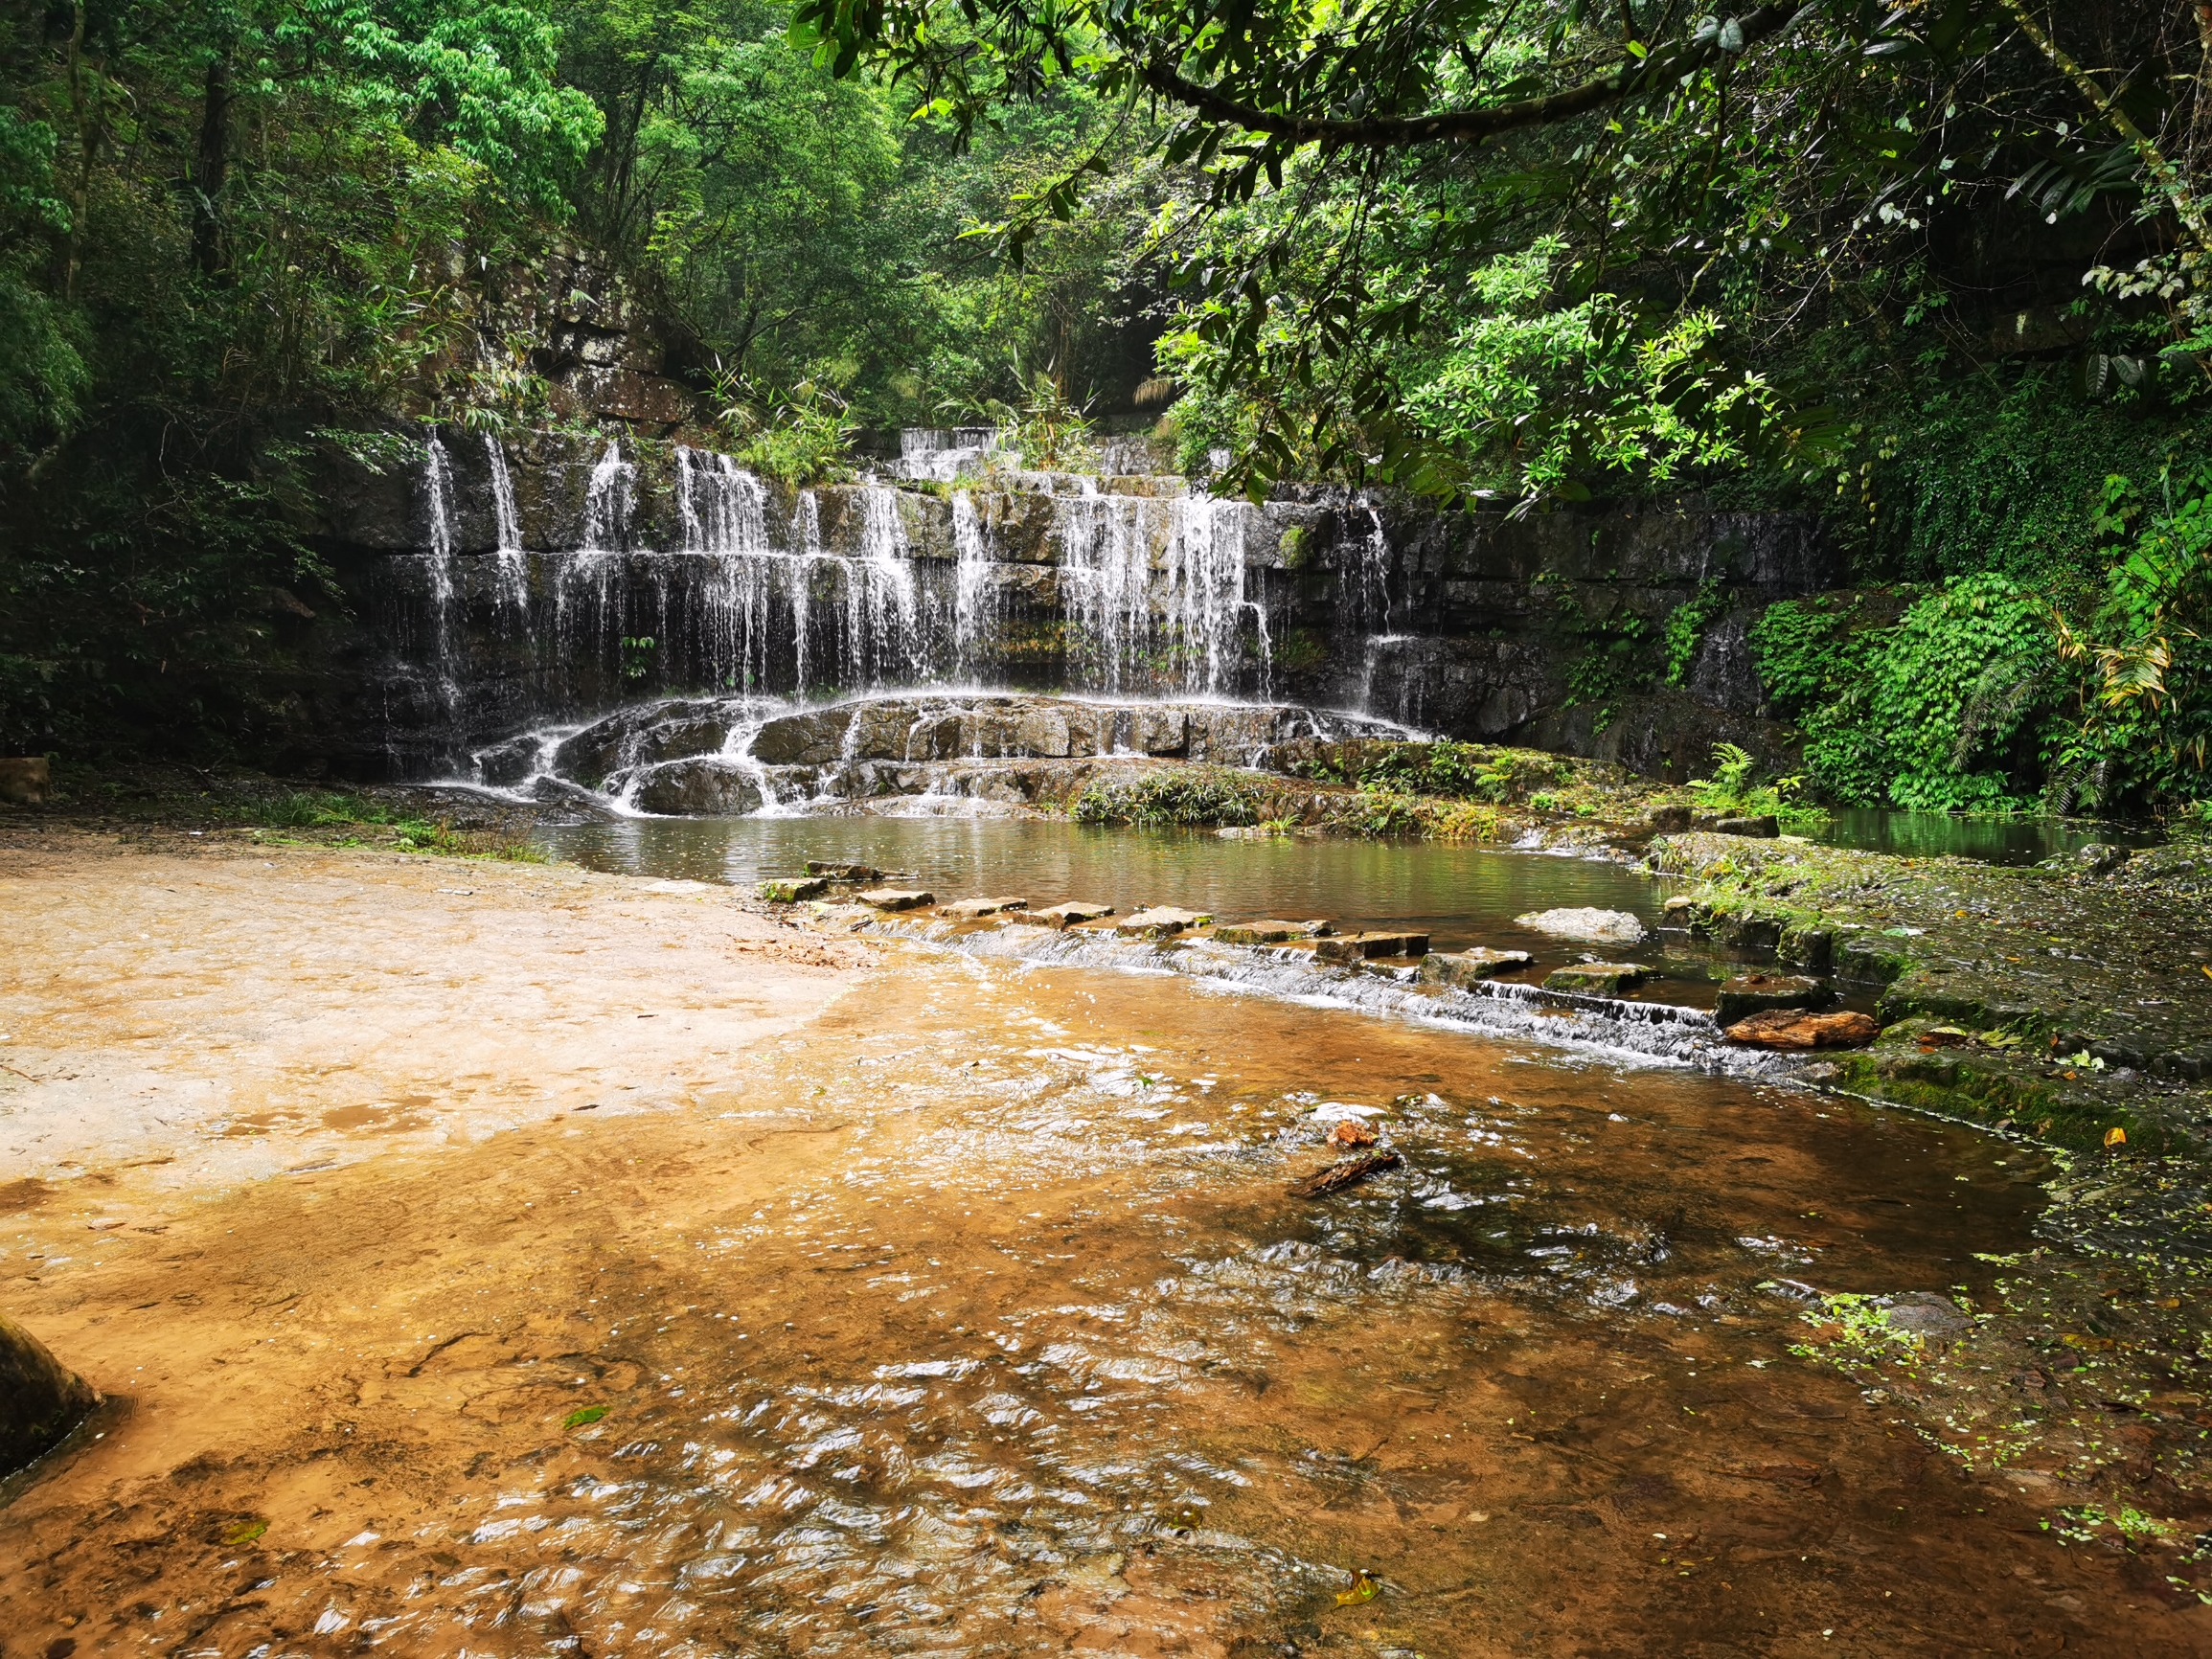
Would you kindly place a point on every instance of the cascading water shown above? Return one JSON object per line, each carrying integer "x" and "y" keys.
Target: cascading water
{"x": 514, "y": 566}
{"x": 445, "y": 595}
{"x": 972, "y": 613}
{"x": 1034, "y": 579}
{"x": 1106, "y": 582}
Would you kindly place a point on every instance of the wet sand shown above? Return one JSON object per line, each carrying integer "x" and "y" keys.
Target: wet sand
{"x": 889, "y": 1301}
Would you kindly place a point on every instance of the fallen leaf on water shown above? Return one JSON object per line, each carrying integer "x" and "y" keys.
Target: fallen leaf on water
{"x": 1351, "y": 1132}
{"x": 2115, "y": 1137}
{"x": 1363, "y": 1589}
{"x": 245, "y": 1532}
{"x": 582, "y": 1415}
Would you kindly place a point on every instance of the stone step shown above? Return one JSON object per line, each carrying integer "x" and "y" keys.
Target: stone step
{"x": 1596, "y": 978}
{"x": 1358, "y": 946}
{"x": 1162, "y": 921}
{"x": 1467, "y": 966}
{"x": 1271, "y": 932}
{"x": 897, "y": 898}
{"x": 969, "y": 909}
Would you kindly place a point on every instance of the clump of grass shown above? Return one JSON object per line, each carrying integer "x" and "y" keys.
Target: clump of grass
{"x": 1194, "y": 795}
{"x": 310, "y": 810}
{"x": 442, "y": 840}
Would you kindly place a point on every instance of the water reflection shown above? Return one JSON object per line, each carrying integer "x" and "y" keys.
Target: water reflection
{"x": 1461, "y": 895}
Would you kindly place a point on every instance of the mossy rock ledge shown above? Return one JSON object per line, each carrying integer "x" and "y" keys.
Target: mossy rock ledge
{"x": 41, "y": 1399}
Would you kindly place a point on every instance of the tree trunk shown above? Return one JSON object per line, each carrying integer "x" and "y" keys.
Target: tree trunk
{"x": 209, "y": 165}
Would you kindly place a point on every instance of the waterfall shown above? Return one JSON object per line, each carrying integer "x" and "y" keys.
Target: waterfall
{"x": 723, "y": 509}
{"x": 445, "y": 623}
{"x": 972, "y": 612}
{"x": 1205, "y": 581}
{"x": 880, "y": 591}
{"x": 1374, "y": 580}
{"x": 514, "y": 578}
{"x": 1105, "y": 581}
{"x": 607, "y": 503}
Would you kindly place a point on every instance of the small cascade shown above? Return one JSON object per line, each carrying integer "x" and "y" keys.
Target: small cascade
{"x": 589, "y": 612}
{"x": 974, "y": 617}
{"x": 1372, "y": 573}
{"x": 723, "y": 509}
{"x": 513, "y": 567}
{"x": 943, "y": 453}
{"x": 1205, "y": 583}
{"x": 882, "y": 602}
{"x": 607, "y": 503}
{"x": 445, "y": 594}
{"x": 1106, "y": 545}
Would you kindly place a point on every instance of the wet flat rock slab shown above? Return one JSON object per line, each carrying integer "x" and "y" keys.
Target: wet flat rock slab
{"x": 974, "y": 909}
{"x": 1270, "y": 932}
{"x": 1162, "y": 921}
{"x": 1363, "y": 946}
{"x": 1465, "y": 967}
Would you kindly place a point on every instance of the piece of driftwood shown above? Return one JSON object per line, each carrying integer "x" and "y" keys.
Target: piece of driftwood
{"x": 1348, "y": 1173}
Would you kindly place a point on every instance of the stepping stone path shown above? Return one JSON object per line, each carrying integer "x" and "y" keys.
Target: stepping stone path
{"x": 1751, "y": 993}
{"x": 897, "y": 898}
{"x": 1069, "y": 915}
{"x": 843, "y": 872}
{"x": 1271, "y": 932}
{"x": 1585, "y": 926}
{"x": 1162, "y": 921}
{"x": 791, "y": 890}
{"x": 1468, "y": 966}
{"x": 1596, "y": 978}
{"x": 968, "y": 909}
{"x": 1358, "y": 946}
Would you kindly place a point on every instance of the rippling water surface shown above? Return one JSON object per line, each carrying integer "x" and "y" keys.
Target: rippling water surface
{"x": 980, "y": 1319}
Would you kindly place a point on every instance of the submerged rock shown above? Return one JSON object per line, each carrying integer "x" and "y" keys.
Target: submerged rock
{"x": 1586, "y": 926}
{"x": 1271, "y": 932}
{"x": 1596, "y": 978}
{"x": 897, "y": 898}
{"x": 1467, "y": 966}
{"x": 1788, "y": 1029}
{"x": 1925, "y": 1314}
{"x": 1162, "y": 921}
{"x": 968, "y": 909}
{"x": 1358, "y": 946}
{"x": 41, "y": 1399}
{"x": 1751, "y": 993}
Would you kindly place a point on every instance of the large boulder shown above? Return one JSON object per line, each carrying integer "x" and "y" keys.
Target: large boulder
{"x": 41, "y": 1399}
{"x": 704, "y": 787}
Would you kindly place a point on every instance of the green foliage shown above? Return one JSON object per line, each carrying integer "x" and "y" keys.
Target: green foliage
{"x": 1686, "y": 625}
{"x": 1942, "y": 710}
{"x": 1187, "y": 795}
{"x": 1735, "y": 790}
{"x": 1533, "y": 398}
{"x": 1456, "y": 772}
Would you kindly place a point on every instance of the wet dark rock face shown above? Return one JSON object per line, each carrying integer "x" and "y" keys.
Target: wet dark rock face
{"x": 564, "y": 577}
{"x": 41, "y": 1399}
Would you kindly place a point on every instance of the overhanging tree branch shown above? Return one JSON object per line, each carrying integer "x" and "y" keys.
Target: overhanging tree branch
{"x": 1389, "y": 131}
